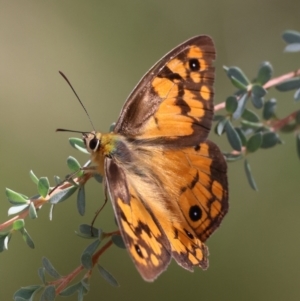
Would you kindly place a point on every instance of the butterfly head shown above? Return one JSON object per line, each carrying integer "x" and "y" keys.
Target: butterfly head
{"x": 92, "y": 141}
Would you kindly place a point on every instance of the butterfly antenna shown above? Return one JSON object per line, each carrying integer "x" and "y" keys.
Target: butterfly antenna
{"x": 66, "y": 79}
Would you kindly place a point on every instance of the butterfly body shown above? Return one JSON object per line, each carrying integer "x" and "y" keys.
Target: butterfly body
{"x": 166, "y": 181}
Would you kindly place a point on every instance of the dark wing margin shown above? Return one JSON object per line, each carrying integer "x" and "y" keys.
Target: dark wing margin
{"x": 145, "y": 241}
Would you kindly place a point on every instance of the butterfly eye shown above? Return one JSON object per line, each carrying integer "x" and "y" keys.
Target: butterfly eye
{"x": 94, "y": 144}
{"x": 195, "y": 213}
{"x": 194, "y": 65}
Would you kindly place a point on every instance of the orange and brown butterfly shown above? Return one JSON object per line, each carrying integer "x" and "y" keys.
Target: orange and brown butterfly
{"x": 166, "y": 181}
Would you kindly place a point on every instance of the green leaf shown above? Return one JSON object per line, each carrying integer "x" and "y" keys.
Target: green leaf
{"x": 258, "y": 91}
{"x": 107, "y": 276}
{"x": 87, "y": 231}
{"x": 241, "y": 106}
{"x": 291, "y": 36}
{"x": 250, "y": 116}
{"x": 3, "y": 240}
{"x": 50, "y": 268}
{"x": 258, "y": 102}
{"x": 220, "y": 126}
{"x": 254, "y": 142}
{"x": 297, "y": 95}
{"x": 118, "y": 241}
{"x": 290, "y": 84}
{"x": 17, "y": 209}
{"x": 269, "y": 109}
{"x": 98, "y": 178}
{"x": 298, "y": 144}
{"x": 7, "y": 240}
{"x": 112, "y": 127}
{"x": 15, "y": 198}
{"x": 42, "y": 274}
{"x": 81, "y": 200}
{"x": 269, "y": 139}
{"x": 74, "y": 165}
{"x": 18, "y": 224}
{"x": 233, "y": 137}
{"x": 86, "y": 257}
{"x": 252, "y": 125}
{"x": 48, "y": 293}
{"x": 297, "y": 118}
{"x": 27, "y": 238}
{"x": 57, "y": 180}
{"x": 70, "y": 290}
{"x": 32, "y": 211}
{"x": 78, "y": 144}
{"x": 238, "y": 75}
{"x": 43, "y": 186}
{"x": 26, "y": 292}
{"x": 232, "y": 157}
{"x": 292, "y": 47}
{"x": 33, "y": 177}
{"x": 264, "y": 73}
{"x": 231, "y": 104}
{"x": 249, "y": 175}
{"x": 241, "y": 135}
{"x": 62, "y": 195}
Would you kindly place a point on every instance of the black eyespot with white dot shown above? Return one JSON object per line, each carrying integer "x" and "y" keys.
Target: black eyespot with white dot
{"x": 195, "y": 213}
{"x": 138, "y": 251}
{"x": 194, "y": 65}
{"x": 93, "y": 144}
{"x": 189, "y": 234}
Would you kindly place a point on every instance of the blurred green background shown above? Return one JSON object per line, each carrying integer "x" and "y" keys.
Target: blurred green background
{"x": 104, "y": 47}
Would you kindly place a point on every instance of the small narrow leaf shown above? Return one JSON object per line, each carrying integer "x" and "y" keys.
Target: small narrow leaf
{"x": 269, "y": 139}
{"x": 254, "y": 142}
{"x": 258, "y": 102}
{"x": 220, "y": 126}
{"x": 258, "y": 90}
{"x": 231, "y": 104}
{"x": 41, "y": 273}
{"x": 33, "y": 177}
{"x": 7, "y": 240}
{"x": 233, "y": 137}
{"x": 107, "y": 276}
{"x": 292, "y": 47}
{"x": 241, "y": 106}
{"x": 118, "y": 241}
{"x": 297, "y": 95}
{"x": 3, "y": 236}
{"x": 98, "y": 178}
{"x": 32, "y": 211}
{"x": 298, "y": 144}
{"x": 48, "y": 294}
{"x": 252, "y": 125}
{"x": 112, "y": 126}
{"x": 269, "y": 109}
{"x": 232, "y": 157}
{"x": 18, "y": 224}
{"x": 78, "y": 144}
{"x": 27, "y": 238}
{"x": 62, "y": 195}
{"x": 290, "y": 84}
{"x": 264, "y": 73}
{"x": 73, "y": 164}
{"x": 50, "y": 268}
{"x": 250, "y": 116}
{"x": 81, "y": 200}
{"x": 241, "y": 135}
{"x": 249, "y": 175}
{"x": 57, "y": 180}
{"x": 15, "y": 198}
{"x": 238, "y": 74}
{"x": 43, "y": 186}
{"x": 297, "y": 118}
{"x": 86, "y": 257}
{"x": 291, "y": 36}
{"x": 70, "y": 290}
{"x": 17, "y": 209}
{"x": 87, "y": 231}
{"x": 26, "y": 293}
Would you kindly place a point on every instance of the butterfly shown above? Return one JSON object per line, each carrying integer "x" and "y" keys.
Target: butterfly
{"x": 166, "y": 181}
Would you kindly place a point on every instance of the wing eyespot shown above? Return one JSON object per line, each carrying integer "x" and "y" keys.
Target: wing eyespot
{"x": 195, "y": 213}
{"x": 194, "y": 65}
{"x": 138, "y": 251}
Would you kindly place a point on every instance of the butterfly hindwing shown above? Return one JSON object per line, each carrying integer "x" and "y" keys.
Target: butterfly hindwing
{"x": 145, "y": 241}
{"x": 174, "y": 100}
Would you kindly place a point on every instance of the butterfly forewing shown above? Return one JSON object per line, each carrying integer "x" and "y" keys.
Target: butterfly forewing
{"x": 174, "y": 100}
